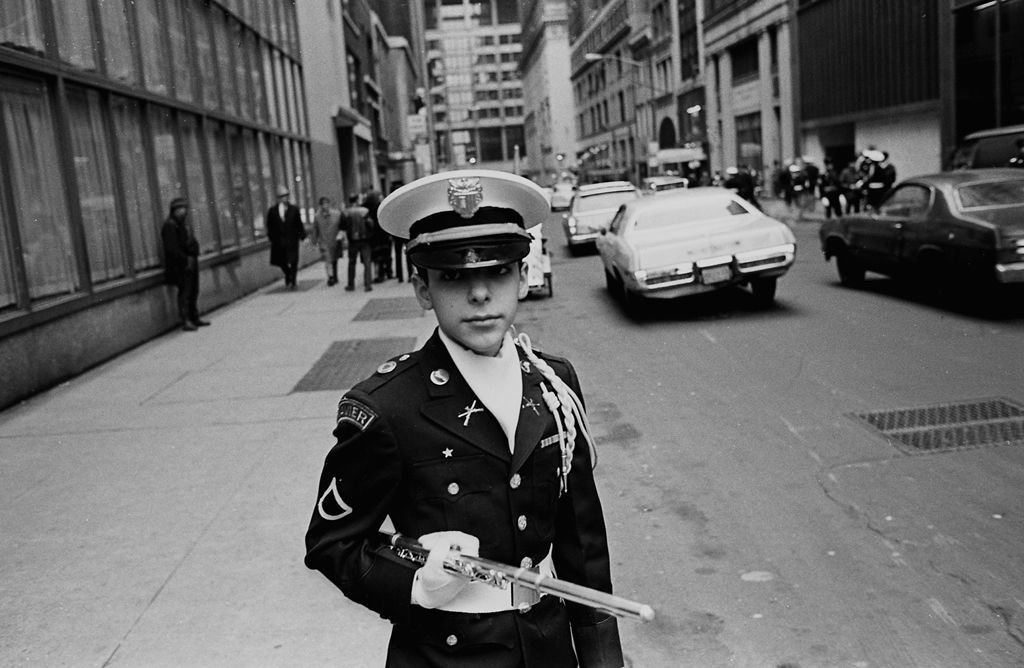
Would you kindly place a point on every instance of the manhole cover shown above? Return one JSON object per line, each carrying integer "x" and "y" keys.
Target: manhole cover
{"x": 947, "y": 426}
{"x": 300, "y": 286}
{"x": 345, "y": 363}
{"x": 390, "y": 308}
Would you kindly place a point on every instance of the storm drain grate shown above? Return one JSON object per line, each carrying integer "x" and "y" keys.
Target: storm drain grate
{"x": 345, "y": 363}
{"x": 300, "y": 286}
{"x": 948, "y": 426}
{"x": 390, "y": 308}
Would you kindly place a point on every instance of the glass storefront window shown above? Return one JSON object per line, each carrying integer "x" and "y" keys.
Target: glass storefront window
{"x": 205, "y": 57}
{"x": 90, "y": 148}
{"x": 119, "y": 57}
{"x": 8, "y": 286}
{"x": 222, "y": 185}
{"x": 75, "y": 40}
{"x": 165, "y": 152}
{"x": 267, "y": 180}
{"x": 154, "y": 48}
{"x": 181, "y": 52}
{"x": 135, "y": 170}
{"x": 20, "y": 25}
{"x": 198, "y": 192}
{"x": 241, "y": 206}
{"x": 39, "y": 193}
{"x": 284, "y": 121}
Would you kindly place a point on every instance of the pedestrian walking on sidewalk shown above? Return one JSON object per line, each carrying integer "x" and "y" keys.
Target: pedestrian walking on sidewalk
{"x": 356, "y": 220}
{"x": 285, "y": 230}
{"x": 181, "y": 263}
{"x": 324, "y": 234}
{"x": 475, "y": 443}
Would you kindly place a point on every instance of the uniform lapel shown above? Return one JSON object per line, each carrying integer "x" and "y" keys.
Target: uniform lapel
{"x": 534, "y": 416}
{"x": 454, "y": 407}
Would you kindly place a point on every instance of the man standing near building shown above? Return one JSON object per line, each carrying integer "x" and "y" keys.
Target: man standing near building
{"x": 181, "y": 263}
{"x": 285, "y": 231}
{"x": 357, "y": 229}
{"x": 325, "y": 235}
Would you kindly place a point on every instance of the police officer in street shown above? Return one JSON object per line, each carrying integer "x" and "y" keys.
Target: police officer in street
{"x": 474, "y": 443}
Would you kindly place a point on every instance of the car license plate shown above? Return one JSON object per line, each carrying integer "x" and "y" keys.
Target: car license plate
{"x": 715, "y": 274}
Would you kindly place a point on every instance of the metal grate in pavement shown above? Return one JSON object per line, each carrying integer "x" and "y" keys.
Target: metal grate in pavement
{"x": 300, "y": 286}
{"x": 950, "y": 426}
{"x": 390, "y": 308}
{"x": 345, "y": 363}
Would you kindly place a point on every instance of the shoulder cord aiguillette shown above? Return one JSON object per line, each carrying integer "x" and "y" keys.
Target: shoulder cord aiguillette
{"x": 567, "y": 409}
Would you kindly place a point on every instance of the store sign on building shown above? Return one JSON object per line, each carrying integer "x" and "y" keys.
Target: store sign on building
{"x": 416, "y": 125}
{"x": 746, "y": 97}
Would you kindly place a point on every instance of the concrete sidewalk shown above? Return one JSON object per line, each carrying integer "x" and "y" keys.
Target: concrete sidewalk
{"x": 154, "y": 508}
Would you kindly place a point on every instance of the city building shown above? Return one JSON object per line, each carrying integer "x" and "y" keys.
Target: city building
{"x": 749, "y": 78}
{"x": 474, "y": 87}
{"x": 108, "y": 111}
{"x": 547, "y": 98}
{"x": 868, "y": 76}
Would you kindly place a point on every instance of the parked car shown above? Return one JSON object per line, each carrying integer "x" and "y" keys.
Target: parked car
{"x": 538, "y": 263}
{"x": 561, "y": 195}
{"x": 592, "y": 209}
{"x": 988, "y": 148}
{"x": 692, "y": 241}
{"x": 653, "y": 185}
{"x": 952, "y": 228}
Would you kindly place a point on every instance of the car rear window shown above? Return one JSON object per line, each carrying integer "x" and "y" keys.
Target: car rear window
{"x": 690, "y": 212}
{"x": 991, "y": 193}
{"x": 604, "y": 200}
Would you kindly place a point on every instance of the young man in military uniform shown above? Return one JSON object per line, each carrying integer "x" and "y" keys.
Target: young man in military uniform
{"x": 474, "y": 443}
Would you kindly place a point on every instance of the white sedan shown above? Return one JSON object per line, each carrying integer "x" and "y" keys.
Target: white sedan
{"x": 693, "y": 241}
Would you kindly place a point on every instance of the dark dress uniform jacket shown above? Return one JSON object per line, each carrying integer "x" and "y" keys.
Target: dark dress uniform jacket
{"x": 405, "y": 449}
{"x": 284, "y": 235}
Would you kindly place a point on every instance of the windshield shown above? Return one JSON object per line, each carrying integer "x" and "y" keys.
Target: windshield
{"x": 689, "y": 212}
{"x": 597, "y": 201}
{"x": 991, "y": 193}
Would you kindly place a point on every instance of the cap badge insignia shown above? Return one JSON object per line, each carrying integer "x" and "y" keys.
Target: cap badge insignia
{"x": 471, "y": 256}
{"x": 465, "y": 195}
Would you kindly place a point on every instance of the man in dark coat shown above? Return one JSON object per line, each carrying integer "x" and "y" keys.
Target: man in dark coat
{"x": 475, "y": 444}
{"x": 285, "y": 230}
{"x": 181, "y": 263}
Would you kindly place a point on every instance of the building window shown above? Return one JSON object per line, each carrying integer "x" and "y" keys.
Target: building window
{"x": 198, "y": 192}
{"x": 221, "y": 167}
{"x": 90, "y": 148}
{"x": 224, "y": 68}
{"x": 182, "y": 57}
{"x": 135, "y": 171}
{"x": 165, "y": 152}
{"x": 205, "y": 57}
{"x": 744, "y": 61}
{"x": 748, "y": 140}
{"x": 75, "y": 40}
{"x": 20, "y": 26}
{"x": 514, "y": 137}
{"x": 118, "y": 50}
{"x": 39, "y": 194}
{"x": 154, "y": 49}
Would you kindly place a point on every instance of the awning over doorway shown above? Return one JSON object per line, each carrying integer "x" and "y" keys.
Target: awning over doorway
{"x": 667, "y": 156}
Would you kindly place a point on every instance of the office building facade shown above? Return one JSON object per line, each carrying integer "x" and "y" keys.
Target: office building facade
{"x": 109, "y": 110}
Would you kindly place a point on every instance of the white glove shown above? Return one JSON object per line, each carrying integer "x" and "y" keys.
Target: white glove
{"x": 432, "y": 586}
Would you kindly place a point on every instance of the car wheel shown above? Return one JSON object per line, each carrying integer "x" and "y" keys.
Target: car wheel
{"x": 763, "y": 290}
{"x": 851, "y": 273}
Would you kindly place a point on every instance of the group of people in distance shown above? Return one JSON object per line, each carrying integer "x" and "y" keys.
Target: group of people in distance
{"x": 356, "y": 229}
{"x": 862, "y": 183}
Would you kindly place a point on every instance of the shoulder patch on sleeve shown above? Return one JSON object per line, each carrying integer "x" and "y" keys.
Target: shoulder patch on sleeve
{"x": 356, "y": 413}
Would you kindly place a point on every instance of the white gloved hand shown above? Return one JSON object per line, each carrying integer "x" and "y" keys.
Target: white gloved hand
{"x": 432, "y": 586}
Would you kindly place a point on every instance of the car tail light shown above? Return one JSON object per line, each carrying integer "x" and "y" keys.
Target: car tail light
{"x": 571, "y": 222}
{"x": 661, "y": 276}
